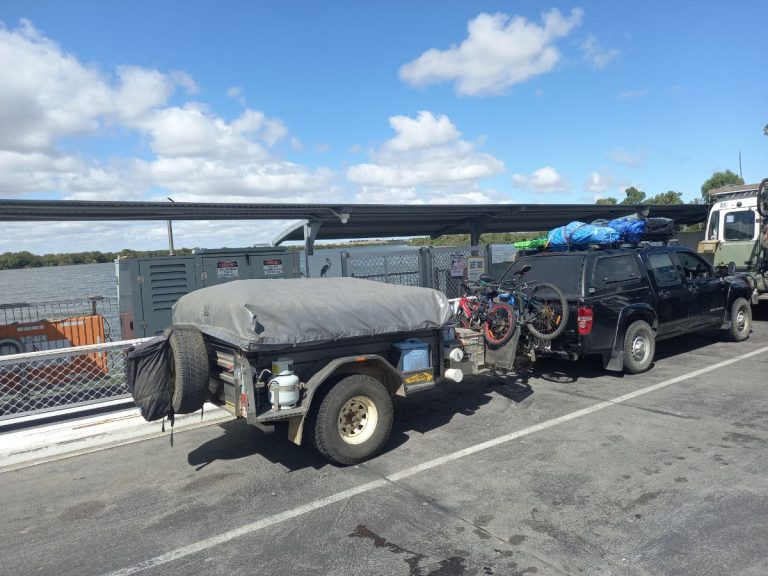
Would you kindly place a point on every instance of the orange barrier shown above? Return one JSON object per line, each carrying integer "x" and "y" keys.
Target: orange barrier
{"x": 53, "y": 335}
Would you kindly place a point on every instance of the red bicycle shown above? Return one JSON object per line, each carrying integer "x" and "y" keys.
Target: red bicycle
{"x": 477, "y": 311}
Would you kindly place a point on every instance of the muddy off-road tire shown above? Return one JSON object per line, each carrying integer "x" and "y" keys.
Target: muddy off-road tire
{"x": 352, "y": 421}
{"x": 741, "y": 321}
{"x": 189, "y": 369}
{"x": 639, "y": 347}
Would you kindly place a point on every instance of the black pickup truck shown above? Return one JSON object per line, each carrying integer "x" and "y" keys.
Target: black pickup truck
{"x": 623, "y": 300}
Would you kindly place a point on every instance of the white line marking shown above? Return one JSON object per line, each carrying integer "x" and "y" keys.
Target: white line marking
{"x": 408, "y": 472}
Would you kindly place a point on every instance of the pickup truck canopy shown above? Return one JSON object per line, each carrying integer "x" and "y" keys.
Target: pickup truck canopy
{"x": 277, "y": 314}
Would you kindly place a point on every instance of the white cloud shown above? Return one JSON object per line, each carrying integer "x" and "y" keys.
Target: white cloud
{"x": 190, "y": 152}
{"x": 543, "y": 180}
{"x": 426, "y": 151}
{"x": 597, "y": 183}
{"x": 498, "y": 52}
{"x": 421, "y": 132}
{"x": 624, "y": 157}
{"x": 595, "y": 54}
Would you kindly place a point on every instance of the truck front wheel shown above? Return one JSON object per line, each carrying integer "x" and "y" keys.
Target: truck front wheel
{"x": 353, "y": 420}
{"x": 639, "y": 347}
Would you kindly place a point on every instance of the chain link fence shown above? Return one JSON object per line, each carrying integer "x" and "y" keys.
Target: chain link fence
{"x": 400, "y": 267}
{"x": 450, "y": 265}
{"x": 24, "y": 314}
{"x": 33, "y": 382}
{"x": 55, "y": 354}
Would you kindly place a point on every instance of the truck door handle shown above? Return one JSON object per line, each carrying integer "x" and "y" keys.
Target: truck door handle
{"x": 664, "y": 294}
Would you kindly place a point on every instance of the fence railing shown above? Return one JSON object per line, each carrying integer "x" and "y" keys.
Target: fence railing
{"x": 427, "y": 267}
{"x": 33, "y": 382}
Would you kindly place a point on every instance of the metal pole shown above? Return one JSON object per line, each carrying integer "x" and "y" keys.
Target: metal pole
{"x": 170, "y": 232}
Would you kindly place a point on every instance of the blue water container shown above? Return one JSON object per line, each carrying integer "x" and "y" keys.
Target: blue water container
{"x": 414, "y": 354}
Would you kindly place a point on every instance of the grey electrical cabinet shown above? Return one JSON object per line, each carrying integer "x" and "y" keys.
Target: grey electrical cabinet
{"x": 149, "y": 287}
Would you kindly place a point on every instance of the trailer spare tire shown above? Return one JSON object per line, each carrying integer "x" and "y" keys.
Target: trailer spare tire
{"x": 189, "y": 369}
{"x": 352, "y": 421}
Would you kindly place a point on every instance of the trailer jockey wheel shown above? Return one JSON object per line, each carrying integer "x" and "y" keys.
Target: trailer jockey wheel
{"x": 352, "y": 421}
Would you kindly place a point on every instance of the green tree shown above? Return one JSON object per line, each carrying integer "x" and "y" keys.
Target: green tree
{"x": 669, "y": 197}
{"x": 634, "y": 196}
{"x": 720, "y": 179}
{"x": 609, "y": 200}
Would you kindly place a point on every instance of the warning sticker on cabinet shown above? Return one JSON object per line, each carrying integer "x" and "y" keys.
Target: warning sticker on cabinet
{"x": 273, "y": 267}
{"x": 227, "y": 269}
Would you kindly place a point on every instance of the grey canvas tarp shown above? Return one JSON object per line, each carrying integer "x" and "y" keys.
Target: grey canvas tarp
{"x": 275, "y": 314}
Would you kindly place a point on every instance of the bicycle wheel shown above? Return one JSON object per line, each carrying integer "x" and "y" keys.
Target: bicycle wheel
{"x": 546, "y": 311}
{"x": 499, "y": 324}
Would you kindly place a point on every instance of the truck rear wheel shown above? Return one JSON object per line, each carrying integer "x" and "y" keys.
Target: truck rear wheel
{"x": 189, "y": 369}
{"x": 741, "y": 321}
{"x": 639, "y": 347}
{"x": 353, "y": 420}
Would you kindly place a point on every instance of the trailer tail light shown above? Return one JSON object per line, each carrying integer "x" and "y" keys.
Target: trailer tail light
{"x": 584, "y": 319}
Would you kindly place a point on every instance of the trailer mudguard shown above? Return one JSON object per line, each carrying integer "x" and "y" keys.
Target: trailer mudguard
{"x": 370, "y": 364}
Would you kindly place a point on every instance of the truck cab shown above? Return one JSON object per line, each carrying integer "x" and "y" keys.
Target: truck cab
{"x": 737, "y": 231}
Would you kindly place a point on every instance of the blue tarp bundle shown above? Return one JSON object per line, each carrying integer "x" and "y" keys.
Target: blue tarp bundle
{"x": 631, "y": 228}
{"x": 580, "y": 233}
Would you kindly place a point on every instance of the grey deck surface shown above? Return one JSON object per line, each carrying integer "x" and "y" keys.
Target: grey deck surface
{"x": 671, "y": 482}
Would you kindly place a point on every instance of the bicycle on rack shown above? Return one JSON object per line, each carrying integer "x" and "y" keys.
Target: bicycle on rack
{"x": 477, "y": 311}
{"x": 539, "y": 306}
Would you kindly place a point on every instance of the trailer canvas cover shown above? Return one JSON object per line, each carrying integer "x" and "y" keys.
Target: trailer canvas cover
{"x": 277, "y": 314}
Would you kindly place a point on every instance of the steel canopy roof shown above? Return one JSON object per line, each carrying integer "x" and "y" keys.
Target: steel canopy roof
{"x": 342, "y": 221}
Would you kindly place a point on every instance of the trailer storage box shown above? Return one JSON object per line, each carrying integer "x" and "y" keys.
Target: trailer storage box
{"x": 414, "y": 355}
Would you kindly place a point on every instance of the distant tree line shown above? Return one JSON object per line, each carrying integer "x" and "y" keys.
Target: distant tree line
{"x": 16, "y": 260}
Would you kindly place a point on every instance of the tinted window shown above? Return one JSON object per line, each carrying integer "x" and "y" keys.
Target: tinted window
{"x": 562, "y": 270}
{"x": 739, "y": 225}
{"x": 663, "y": 268}
{"x": 693, "y": 266}
{"x": 614, "y": 269}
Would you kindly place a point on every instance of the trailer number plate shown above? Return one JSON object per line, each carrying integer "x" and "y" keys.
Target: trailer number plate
{"x": 542, "y": 344}
{"x": 417, "y": 377}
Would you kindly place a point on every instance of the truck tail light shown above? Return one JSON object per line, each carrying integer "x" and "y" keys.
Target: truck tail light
{"x": 584, "y": 319}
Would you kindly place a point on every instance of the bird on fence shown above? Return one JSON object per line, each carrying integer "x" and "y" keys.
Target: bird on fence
{"x": 326, "y": 267}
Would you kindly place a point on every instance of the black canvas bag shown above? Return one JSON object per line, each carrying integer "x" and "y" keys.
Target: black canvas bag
{"x": 149, "y": 378}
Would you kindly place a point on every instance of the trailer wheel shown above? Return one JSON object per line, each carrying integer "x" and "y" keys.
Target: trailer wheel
{"x": 189, "y": 369}
{"x": 639, "y": 347}
{"x": 741, "y": 321}
{"x": 353, "y": 420}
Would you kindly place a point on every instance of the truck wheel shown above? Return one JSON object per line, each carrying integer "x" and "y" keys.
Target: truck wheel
{"x": 741, "y": 321}
{"x": 639, "y": 347}
{"x": 353, "y": 420}
{"x": 189, "y": 369}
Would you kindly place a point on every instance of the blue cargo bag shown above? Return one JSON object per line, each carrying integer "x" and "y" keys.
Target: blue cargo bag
{"x": 580, "y": 234}
{"x": 630, "y": 228}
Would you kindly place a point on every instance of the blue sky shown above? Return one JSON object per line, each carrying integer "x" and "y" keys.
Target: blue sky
{"x": 412, "y": 102}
